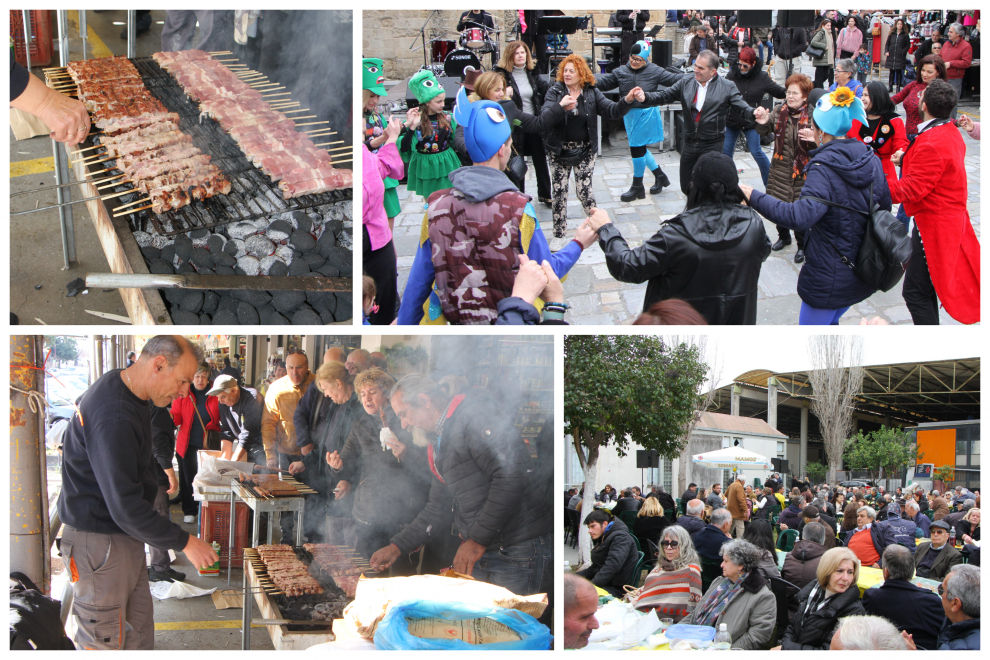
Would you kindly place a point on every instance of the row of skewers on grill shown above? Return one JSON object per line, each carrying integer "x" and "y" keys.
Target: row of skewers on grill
{"x": 142, "y": 137}
{"x": 280, "y": 572}
{"x": 272, "y": 487}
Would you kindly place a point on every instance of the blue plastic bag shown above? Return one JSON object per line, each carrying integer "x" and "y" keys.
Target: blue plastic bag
{"x": 393, "y": 631}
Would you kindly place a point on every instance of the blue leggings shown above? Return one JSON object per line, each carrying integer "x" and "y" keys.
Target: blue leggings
{"x": 813, "y": 316}
{"x": 642, "y": 160}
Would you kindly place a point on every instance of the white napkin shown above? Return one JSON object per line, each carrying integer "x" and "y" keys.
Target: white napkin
{"x": 164, "y": 590}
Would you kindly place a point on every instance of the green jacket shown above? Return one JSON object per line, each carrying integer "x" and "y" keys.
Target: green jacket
{"x": 820, "y": 40}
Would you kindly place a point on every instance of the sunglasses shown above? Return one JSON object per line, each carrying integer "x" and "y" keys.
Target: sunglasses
{"x": 296, "y": 351}
{"x": 669, "y": 544}
{"x": 743, "y": 65}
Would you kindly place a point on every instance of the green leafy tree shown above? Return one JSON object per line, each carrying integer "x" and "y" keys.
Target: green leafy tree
{"x": 816, "y": 472}
{"x": 626, "y": 389}
{"x": 945, "y": 474}
{"x": 66, "y": 349}
{"x": 887, "y": 450}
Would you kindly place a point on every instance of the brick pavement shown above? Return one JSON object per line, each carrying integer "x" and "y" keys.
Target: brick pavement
{"x": 596, "y": 298}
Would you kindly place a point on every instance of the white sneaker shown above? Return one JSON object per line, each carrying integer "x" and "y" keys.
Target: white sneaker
{"x": 189, "y": 519}
{"x": 558, "y": 244}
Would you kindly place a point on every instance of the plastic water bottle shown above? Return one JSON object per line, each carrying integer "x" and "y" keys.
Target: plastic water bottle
{"x": 952, "y": 536}
{"x": 630, "y": 627}
{"x": 723, "y": 640}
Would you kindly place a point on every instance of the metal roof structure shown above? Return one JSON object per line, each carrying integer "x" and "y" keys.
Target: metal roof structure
{"x": 911, "y": 392}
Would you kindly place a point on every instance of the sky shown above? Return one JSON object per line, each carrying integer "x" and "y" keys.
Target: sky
{"x": 786, "y": 349}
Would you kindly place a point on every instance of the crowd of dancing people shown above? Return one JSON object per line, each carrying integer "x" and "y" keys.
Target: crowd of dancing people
{"x": 858, "y": 568}
{"x": 842, "y": 157}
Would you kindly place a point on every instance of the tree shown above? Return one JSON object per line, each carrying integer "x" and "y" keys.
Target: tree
{"x": 66, "y": 349}
{"x": 836, "y": 377}
{"x": 623, "y": 389}
{"x": 943, "y": 476}
{"x": 816, "y": 472}
{"x": 886, "y": 450}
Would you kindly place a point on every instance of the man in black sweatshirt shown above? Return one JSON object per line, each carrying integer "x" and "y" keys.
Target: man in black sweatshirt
{"x": 108, "y": 493}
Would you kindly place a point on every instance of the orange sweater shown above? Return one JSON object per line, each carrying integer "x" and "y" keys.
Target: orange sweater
{"x": 862, "y": 544}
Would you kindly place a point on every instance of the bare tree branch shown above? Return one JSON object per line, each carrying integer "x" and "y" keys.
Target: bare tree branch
{"x": 836, "y": 377}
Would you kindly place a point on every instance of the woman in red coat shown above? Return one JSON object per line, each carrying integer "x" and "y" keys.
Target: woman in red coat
{"x": 884, "y": 130}
{"x": 933, "y": 188}
{"x": 190, "y": 413}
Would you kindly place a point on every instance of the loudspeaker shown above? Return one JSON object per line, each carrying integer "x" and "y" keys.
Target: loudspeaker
{"x": 755, "y": 18}
{"x": 647, "y": 458}
{"x": 801, "y": 18}
{"x": 779, "y": 464}
{"x": 663, "y": 52}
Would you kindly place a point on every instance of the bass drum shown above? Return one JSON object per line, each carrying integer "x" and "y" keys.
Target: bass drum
{"x": 440, "y": 48}
{"x": 458, "y": 60}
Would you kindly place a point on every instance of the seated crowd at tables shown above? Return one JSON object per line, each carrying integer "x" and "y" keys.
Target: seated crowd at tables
{"x": 720, "y": 563}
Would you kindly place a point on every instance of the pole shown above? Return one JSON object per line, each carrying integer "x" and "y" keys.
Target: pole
{"x": 28, "y": 492}
{"x": 83, "y": 31}
{"x": 113, "y": 352}
{"x": 98, "y": 356}
{"x": 131, "y": 35}
{"x": 64, "y": 195}
{"x": 26, "y": 17}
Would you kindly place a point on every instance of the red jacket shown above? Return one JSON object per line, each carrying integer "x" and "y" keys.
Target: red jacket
{"x": 960, "y": 56}
{"x": 183, "y": 414}
{"x": 933, "y": 189}
{"x": 891, "y": 143}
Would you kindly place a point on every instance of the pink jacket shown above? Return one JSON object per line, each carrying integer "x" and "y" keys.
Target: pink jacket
{"x": 386, "y": 163}
{"x": 849, "y": 39}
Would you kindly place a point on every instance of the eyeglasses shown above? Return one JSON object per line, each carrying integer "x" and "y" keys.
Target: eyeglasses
{"x": 669, "y": 544}
{"x": 743, "y": 65}
{"x": 296, "y": 351}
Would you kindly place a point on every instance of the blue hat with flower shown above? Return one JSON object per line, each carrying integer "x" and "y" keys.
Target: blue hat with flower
{"x": 641, "y": 49}
{"x": 486, "y": 128}
{"x": 835, "y": 111}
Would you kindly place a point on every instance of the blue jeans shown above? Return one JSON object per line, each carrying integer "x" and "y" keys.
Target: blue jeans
{"x": 523, "y": 568}
{"x": 753, "y": 142}
{"x": 814, "y": 316}
{"x": 769, "y": 45}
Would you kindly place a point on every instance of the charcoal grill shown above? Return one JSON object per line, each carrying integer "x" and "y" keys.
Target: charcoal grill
{"x": 248, "y": 184}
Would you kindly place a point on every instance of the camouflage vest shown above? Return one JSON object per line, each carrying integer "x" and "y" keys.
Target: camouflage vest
{"x": 475, "y": 252}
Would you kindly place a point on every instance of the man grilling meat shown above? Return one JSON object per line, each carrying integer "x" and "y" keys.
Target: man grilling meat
{"x": 501, "y": 512}
{"x": 240, "y": 419}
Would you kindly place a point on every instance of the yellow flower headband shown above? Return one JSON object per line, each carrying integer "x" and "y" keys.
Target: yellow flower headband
{"x": 842, "y": 97}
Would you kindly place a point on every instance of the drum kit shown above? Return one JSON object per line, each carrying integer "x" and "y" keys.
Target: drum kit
{"x": 450, "y": 57}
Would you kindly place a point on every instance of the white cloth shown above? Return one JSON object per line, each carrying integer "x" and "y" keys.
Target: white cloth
{"x": 702, "y": 93}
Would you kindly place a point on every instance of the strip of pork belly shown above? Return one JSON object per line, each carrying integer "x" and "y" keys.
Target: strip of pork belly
{"x": 140, "y": 133}
{"x": 149, "y": 143}
{"x": 157, "y": 169}
{"x": 171, "y": 152}
{"x": 178, "y": 176}
{"x": 118, "y": 125}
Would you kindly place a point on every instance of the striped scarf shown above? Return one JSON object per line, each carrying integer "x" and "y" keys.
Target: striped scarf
{"x": 718, "y": 601}
{"x": 671, "y": 592}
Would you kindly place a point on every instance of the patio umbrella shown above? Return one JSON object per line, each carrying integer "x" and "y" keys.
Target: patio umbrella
{"x": 732, "y": 458}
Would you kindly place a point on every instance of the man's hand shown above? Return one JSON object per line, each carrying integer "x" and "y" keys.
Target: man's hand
{"x": 761, "y": 115}
{"x": 948, "y": 65}
{"x": 385, "y": 557}
{"x": 909, "y": 639}
{"x": 895, "y": 157}
{"x": 568, "y": 102}
{"x": 226, "y": 449}
{"x": 530, "y": 280}
{"x": 343, "y": 490}
{"x": 783, "y": 526}
{"x": 398, "y": 449}
{"x": 554, "y": 292}
{"x": 199, "y": 553}
{"x": 66, "y": 117}
{"x": 173, "y": 483}
{"x": 965, "y": 123}
{"x": 746, "y": 190}
{"x": 273, "y": 462}
{"x": 240, "y": 455}
{"x": 334, "y": 460}
{"x": 598, "y": 218}
{"x": 469, "y": 553}
{"x": 298, "y": 467}
{"x": 308, "y": 448}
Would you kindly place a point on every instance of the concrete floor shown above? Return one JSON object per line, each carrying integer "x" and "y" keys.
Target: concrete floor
{"x": 35, "y": 240}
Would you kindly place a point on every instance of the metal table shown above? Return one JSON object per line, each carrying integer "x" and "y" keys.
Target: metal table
{"x": 275, "y": 505}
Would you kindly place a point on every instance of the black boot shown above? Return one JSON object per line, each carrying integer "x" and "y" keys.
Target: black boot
{"x": 636, "y": 190}
{"x": 661, "y": 181}
{"x": 781, "y": 244}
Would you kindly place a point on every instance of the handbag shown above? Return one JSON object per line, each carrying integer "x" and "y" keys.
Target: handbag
{"x": 211, "y": 439}
{"x": 815, "y": 52}
{"x": 572, "y": 157}
{"x": 885, "y": 250}
{"x": 516, "y": 169}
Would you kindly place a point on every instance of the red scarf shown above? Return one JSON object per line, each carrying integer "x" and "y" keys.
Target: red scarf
{"x": 800, "y": 150}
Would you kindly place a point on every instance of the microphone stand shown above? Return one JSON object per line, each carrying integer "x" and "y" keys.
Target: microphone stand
{"x": 422, "y": 34}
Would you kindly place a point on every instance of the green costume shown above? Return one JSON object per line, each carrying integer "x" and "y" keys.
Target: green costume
{"x": 373, "y": 72}
{"x": 429, "y": 159}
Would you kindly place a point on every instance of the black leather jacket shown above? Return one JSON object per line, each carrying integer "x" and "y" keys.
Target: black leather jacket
{"x": 536, "y": 81}
{"x": 651, "y": 78}
{"x": 709, "y": 257}
{"x": 752, "y": 85}
{"x": 595, "y": 104}
{"x": 722, "y": 95}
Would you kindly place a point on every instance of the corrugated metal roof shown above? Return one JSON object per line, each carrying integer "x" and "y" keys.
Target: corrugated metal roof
{"x": 719, "y": 422}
